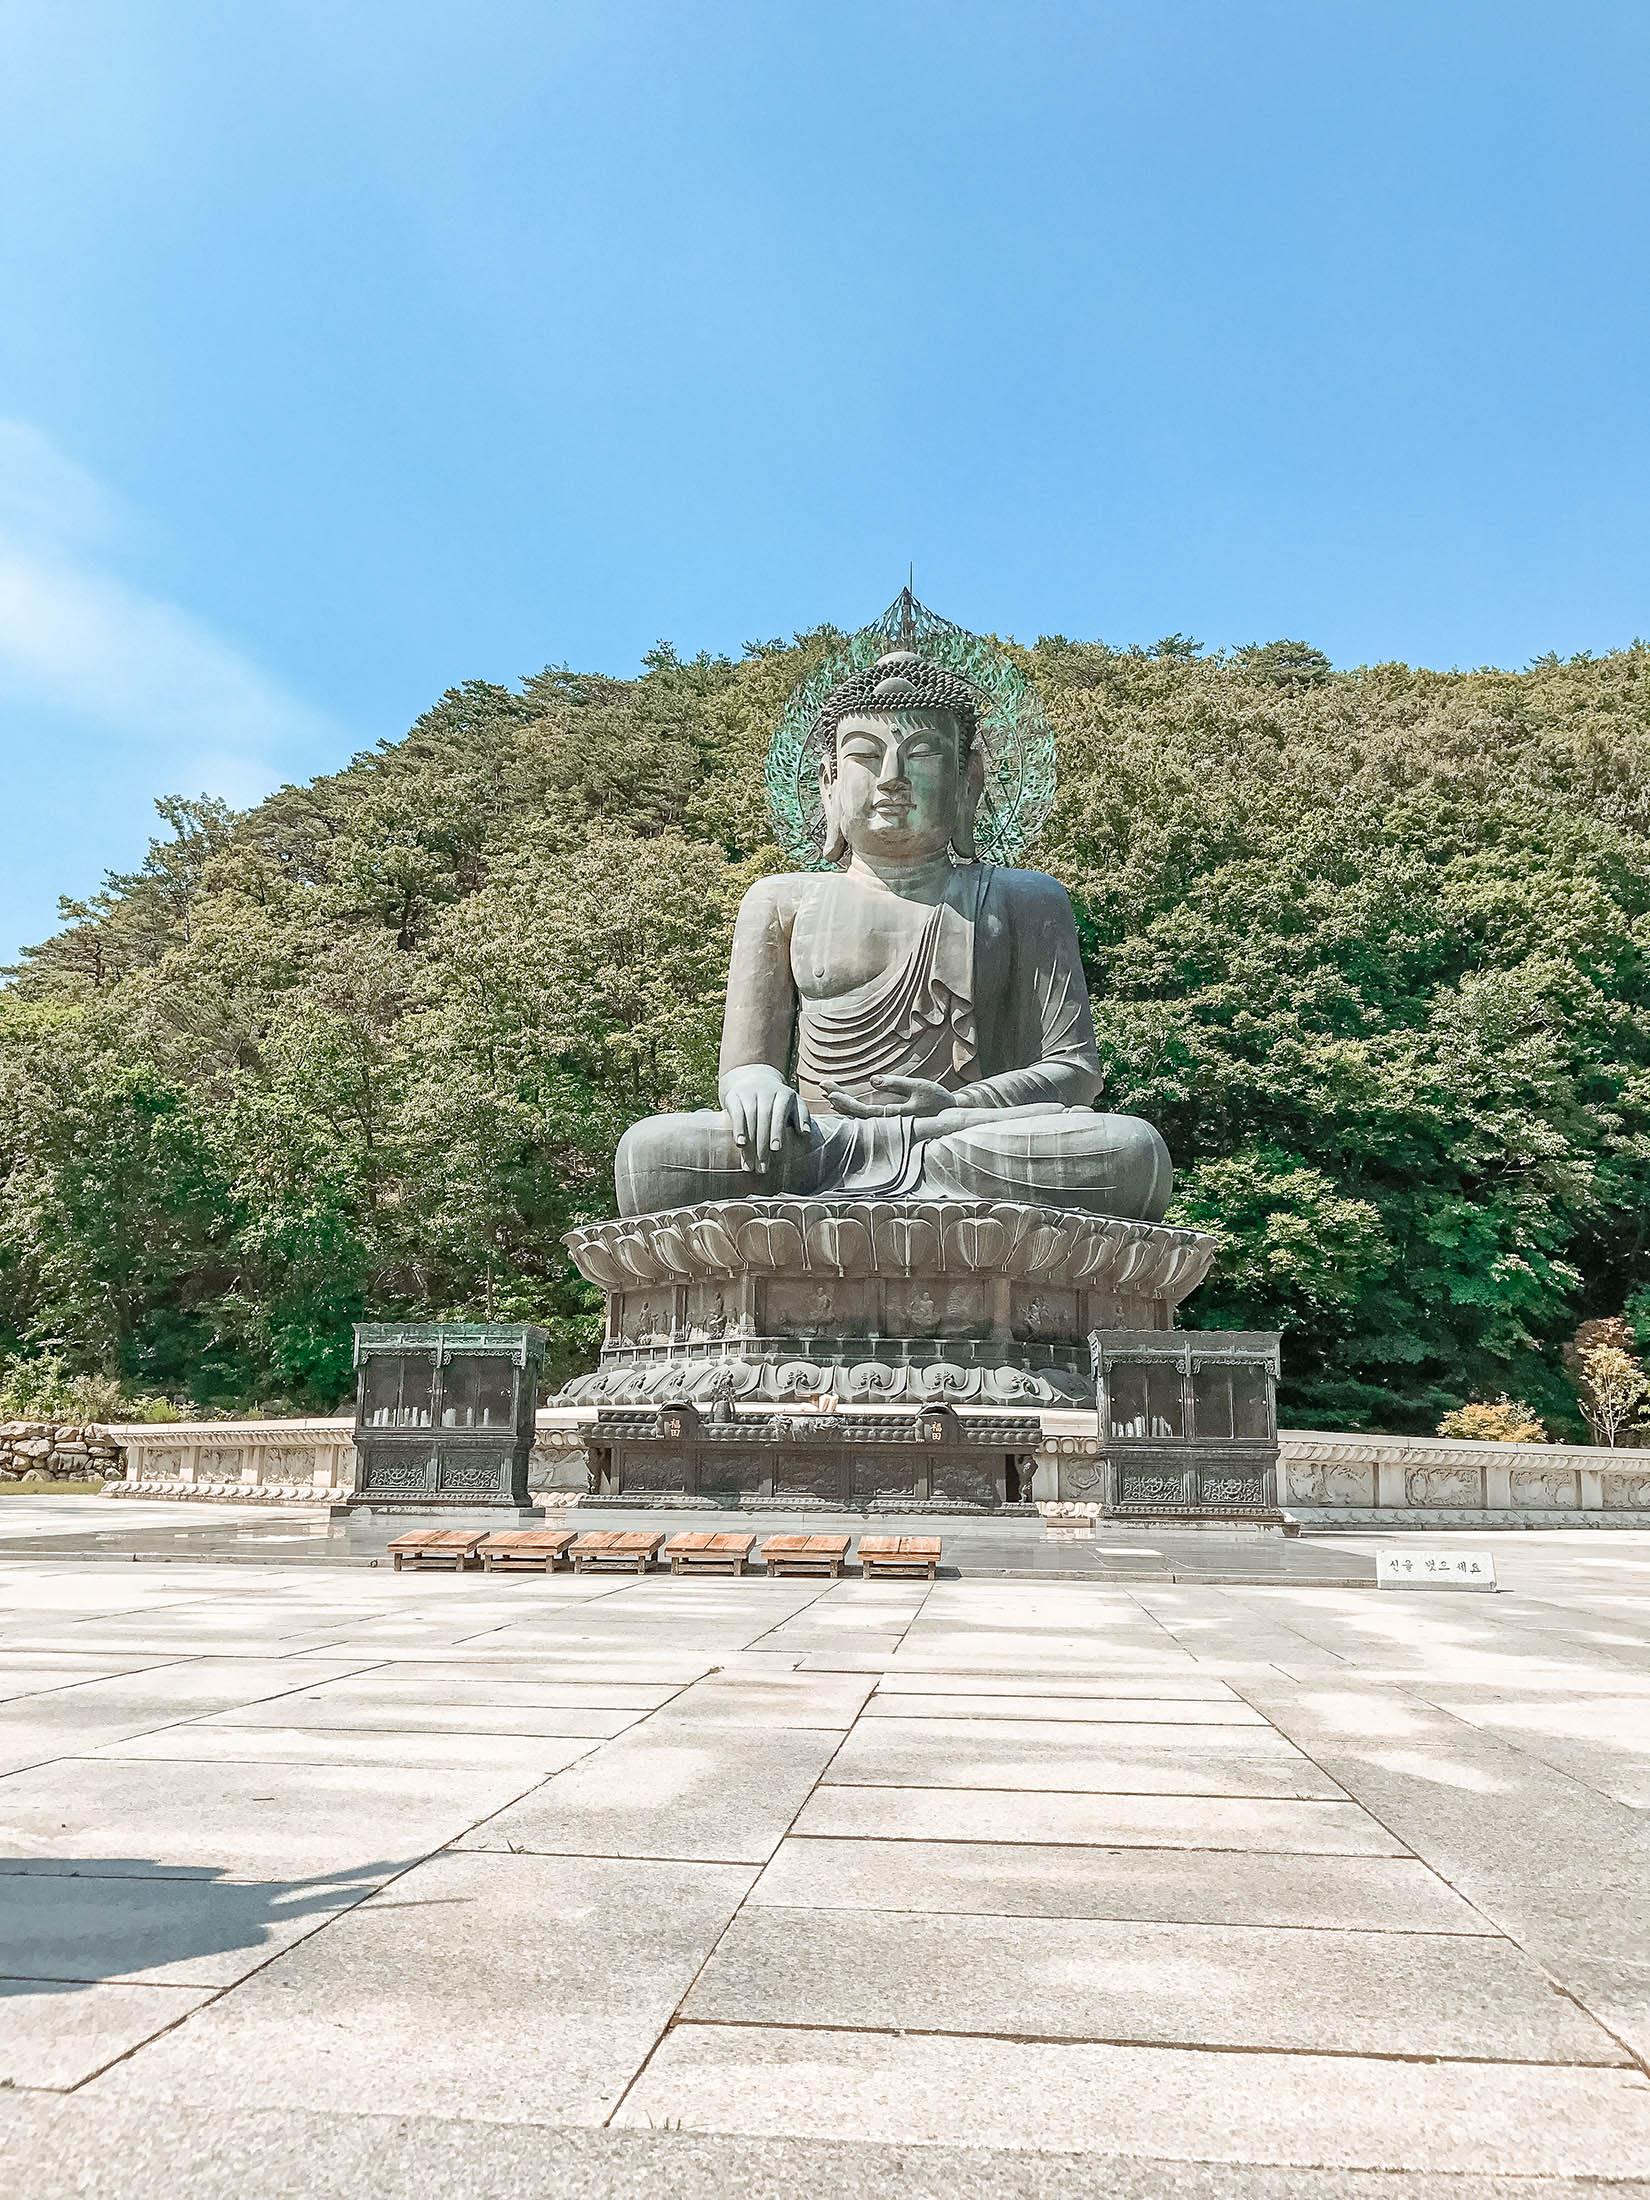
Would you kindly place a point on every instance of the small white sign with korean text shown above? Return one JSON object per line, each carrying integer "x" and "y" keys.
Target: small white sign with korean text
{"x": 1434, "y": 1570}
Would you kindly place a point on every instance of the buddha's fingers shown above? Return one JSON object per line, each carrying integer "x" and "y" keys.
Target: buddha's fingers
{"x": 845, "y": 1104}
{"x": 915, "y": 1092}
{"x": 739, "y": 1122}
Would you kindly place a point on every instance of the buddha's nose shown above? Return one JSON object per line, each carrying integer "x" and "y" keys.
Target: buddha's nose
{"x": 892, "y": 773}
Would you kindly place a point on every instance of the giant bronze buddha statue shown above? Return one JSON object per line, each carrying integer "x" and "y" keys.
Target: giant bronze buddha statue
{"x": 909, "y": 1021}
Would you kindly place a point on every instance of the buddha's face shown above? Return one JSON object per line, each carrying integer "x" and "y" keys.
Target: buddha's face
{"x": 898, "y": 783}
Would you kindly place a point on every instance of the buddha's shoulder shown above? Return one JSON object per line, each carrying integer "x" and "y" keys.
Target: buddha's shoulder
{"x": 778, "y": 895}
{"x": 1026, "y": 890}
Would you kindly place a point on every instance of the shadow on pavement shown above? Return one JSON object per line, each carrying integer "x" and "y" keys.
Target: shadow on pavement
{"x": 90, "y": 1921}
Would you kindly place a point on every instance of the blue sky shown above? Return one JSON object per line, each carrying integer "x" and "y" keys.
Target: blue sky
{"x": 354, "y": 347}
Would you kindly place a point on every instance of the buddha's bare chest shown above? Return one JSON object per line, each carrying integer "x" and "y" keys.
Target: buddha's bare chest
{"x": 844, "y": 938}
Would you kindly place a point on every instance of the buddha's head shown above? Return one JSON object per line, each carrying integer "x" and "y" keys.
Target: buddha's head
{"x": 900, "y": 771}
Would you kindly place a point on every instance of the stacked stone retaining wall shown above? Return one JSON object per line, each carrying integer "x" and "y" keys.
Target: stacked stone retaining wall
{"x": 57, "y": 1451}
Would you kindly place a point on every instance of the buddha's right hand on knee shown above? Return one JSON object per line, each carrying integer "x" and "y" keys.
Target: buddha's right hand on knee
{"x": 761, "y": 1108}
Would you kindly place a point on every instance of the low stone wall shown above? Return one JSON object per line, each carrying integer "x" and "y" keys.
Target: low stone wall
{"x": 56, "y": 1451}
{"x": 1327, "y": 1480}
{"x": 246, "y": 1462}
{"x": 253, "y": 1462}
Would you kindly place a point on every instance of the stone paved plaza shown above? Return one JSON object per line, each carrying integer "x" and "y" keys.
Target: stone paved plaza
{"x": 316, "y": 1879}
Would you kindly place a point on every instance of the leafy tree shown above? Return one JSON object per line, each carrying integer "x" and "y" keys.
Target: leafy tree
{"x": 1609, "y": 1380}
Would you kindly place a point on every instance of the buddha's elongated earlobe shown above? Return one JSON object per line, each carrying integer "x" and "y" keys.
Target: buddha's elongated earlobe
{"x": 969, "y": 789}
{"x": 836, "y": 848}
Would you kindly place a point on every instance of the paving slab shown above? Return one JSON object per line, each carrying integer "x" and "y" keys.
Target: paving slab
{"x": 98, "y": 1928}
{"x": 1169, "y": 2104}
{"x": 1180, "y": 1687}
{"x": 576, "y": 1669}
{"x": 240, "y": 1821}
{"x": 43, "y": 1674}
{"x": 147, "y": 1643}
{"x": 1310, "y": 1992}
{"x": 1254, "y": 1824}
{"x": 522, "y": 1988}
{"x": 58, "y": 2035}
{"x": 722, "y": 1795}
{"x": 428, "y": 1711}
{"x": 1236, "y": 1761}
{"x": 191, "y": 1686}
{"x": 1198, "y": 1887}
{"x": 76, "y": 2147}
{"x": 1605, "y": 1746}
{"x": 533, "y": 1756}
{"x": 1087, "y": 1710}
{"x": 36, "y": 1728}
{"x": 778, "y": 1699}
{"x": 488, "y": 1678}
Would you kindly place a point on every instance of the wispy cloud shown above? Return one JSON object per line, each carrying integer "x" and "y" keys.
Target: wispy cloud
{"x": 110, "y": 694}
{"x": 79, "y": 640}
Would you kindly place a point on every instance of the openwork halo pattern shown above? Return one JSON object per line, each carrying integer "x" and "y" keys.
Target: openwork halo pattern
{"x": 1016, "y": 738}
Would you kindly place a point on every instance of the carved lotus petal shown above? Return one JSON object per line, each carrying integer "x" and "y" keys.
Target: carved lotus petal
{"x": 839, "y": 1242}
{"x": 768, "y": 1242}
{"x": 976, "y": 1241}
{"x": 1096, "y": 1260}
{"x": 710, "y": 1240}
{"x": 637, "y": 1255}
{"x": 732, "y": 1214}
{"x": 1173, "y": 1268}
{"x": 1042, "y": 1248}
{"x": 671, "y": 1246}
{"x": 596, "y": 1263}
{"x": 1132, "y": 1258}
{"x": 906, "y": 1243}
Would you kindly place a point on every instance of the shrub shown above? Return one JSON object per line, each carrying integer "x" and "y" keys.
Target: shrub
{"x": 1503, "y": 1421}
{"x": 42, "y": 1389}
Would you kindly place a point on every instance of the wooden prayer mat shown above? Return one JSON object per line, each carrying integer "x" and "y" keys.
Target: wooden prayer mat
{"x": 454, "y": 1547}
{"x": 899, "y": 1554}
{"x": 614, "y": 1547}
{"x": 696, "y": 1553}
{"x": 805, "y": 1554}
{"x": 537, "y": 1549}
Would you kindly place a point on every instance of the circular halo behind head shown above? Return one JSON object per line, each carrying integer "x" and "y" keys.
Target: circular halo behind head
{"x": 944, "y": 668}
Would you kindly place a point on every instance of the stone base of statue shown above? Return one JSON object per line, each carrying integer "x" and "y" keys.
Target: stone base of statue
{"x": 865, "y": 1352}
{"x": 770, "y": 1302}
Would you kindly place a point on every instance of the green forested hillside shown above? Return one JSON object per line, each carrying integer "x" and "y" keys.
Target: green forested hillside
{"x": 1369, "y": 947}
